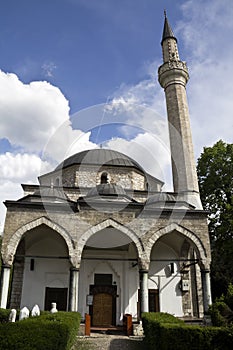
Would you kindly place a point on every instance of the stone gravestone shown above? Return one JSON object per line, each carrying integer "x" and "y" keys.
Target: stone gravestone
{"x": 12, "y": 315}
{"x": 35, "y": 311}
{"x": 24, "y": 313}
{"x": 54, "y": 308}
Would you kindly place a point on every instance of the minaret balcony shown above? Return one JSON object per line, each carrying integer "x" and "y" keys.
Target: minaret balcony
{"x": 173, "y": 72}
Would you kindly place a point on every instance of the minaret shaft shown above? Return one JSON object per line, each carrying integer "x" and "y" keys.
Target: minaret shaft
{"x": 183, "y": 162}
{"x": 173, "y": 77}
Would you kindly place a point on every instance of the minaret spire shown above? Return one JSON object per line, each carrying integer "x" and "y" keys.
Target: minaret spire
{"x": 173, "y": 77}
{"x": 167, "y": 30}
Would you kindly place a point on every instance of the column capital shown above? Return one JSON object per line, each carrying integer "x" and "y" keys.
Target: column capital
{"x": 143, "y": 264}
{"x": 73, "y": 269}
{"x": 6, "y": 266}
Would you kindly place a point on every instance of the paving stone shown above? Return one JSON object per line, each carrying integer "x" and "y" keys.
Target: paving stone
{"x": 109, "y": 342}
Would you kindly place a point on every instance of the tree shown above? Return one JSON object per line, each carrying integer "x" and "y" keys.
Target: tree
{"x": 215, "y": 174}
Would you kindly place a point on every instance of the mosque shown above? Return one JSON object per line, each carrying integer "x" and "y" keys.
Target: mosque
{"x": 99, "y": 235}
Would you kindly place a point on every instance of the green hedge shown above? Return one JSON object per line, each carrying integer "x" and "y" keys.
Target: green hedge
{"x": 4, "y": 315}
{"x": 46, "y": 332}
{"x": 221, "y": 314}
{"x": 166, "y": 332}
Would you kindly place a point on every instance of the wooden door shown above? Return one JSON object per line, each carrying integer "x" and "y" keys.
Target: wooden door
{"x": 102, "y": 310}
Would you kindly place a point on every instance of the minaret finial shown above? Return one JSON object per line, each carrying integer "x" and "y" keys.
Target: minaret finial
{"x": 167, "y": 30}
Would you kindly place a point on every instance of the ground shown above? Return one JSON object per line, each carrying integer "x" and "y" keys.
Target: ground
{"x": 109, "y": 342}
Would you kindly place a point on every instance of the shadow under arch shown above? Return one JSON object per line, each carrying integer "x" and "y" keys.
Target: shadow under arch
{"x": 9, "y": 252}
{"x": 191, "y": 236}
{"x": 110, "y": 223}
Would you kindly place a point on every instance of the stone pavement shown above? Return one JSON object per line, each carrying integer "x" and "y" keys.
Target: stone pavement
{"x": 109, "y": 342}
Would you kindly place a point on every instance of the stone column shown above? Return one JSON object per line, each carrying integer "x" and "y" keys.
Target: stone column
{"x": 73, "y": 293}
{"x": 5, "y": 280}
{"x": 206, "y": 289}
{"x": 144, "y": 290}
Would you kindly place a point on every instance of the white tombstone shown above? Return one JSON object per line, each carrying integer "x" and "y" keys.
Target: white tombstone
{"x": 12, "y": 315}
{"x": 54, "y": 308}
{"x": 24, "y": 313}
{"x": 35, "y": 311}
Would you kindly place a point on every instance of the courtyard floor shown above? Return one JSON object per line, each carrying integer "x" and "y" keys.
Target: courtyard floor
{"x": 109, "y": 342}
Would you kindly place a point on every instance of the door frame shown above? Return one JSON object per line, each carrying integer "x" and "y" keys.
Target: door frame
{"x": 112, "y": 290}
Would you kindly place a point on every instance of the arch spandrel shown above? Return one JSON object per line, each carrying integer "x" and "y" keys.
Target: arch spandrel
{"x": 9, "y": 251}
{"x": 191, "y": 236}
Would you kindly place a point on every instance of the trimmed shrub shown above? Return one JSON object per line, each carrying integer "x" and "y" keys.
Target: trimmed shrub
{"x": 153, "y": 330}
{"x": 163, "y": 332}
{"x": 221, "y": 314}
{"x": 4, "y": 315}
{"x": 48, "y": 332}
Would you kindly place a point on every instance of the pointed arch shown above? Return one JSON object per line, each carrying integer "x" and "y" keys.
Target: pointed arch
{"x": 110, "y": 223}
{"x": 9, "y": 252}
{"x": 191, "y": 236}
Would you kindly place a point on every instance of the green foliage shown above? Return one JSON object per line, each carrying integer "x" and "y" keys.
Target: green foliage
{"x": 221, "y": 310}
{"x": 164, "y": 333}
{"x": 229, "y": 296}
{"x": 220, "y": 313}
{"x": 48, "y": 332}
{"x": 162, "y": 317}
{"x": 4, "y": 315}
{"x": 215, "y": 169}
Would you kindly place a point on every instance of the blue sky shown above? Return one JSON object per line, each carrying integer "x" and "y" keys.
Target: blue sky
{"x": 85, "y": 47}
{"x": 75, "y": 74}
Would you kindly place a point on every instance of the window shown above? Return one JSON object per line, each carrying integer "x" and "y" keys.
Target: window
{"x": 103, "y": 279}
{"x": 153, "y": 296}
{"x": 104, "y": 178}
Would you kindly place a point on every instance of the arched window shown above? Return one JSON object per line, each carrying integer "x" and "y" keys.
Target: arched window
{"x": 57, "y": 182}
{"x": 104, "y": 178}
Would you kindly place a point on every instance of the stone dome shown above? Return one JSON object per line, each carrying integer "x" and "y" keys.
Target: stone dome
{"x": 100, "y": 156}
{"x": 106, "y": 190}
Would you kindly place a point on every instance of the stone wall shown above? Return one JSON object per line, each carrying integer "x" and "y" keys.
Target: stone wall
{"x": 77, "y": 223}
{"x": 90, "y": 176}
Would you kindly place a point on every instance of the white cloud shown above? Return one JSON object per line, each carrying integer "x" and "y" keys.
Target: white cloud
{"x": 157, "y": 159}
{"x": 147, "y": 94}
{"x": 30, "y": 113}
{"x": 34, "y": 117}
{"x": 63, "y": 143}
{"x": 19, "y": 167}
{"x": 16, "y": 169}
{"x": 48, "y": 68}
{"x": 206, "y": 31}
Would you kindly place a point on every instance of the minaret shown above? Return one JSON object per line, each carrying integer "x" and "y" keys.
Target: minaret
{"x": 173, "y": 77}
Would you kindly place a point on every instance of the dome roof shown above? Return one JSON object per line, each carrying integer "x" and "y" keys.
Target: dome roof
{"x": 106, "y": 190}
{"x": 99, "y": 156}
